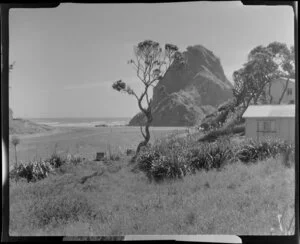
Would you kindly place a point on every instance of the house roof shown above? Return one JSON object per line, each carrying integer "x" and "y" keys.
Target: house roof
{"x": 267, "y": 111}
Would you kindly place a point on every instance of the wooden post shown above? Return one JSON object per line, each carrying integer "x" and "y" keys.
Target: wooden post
{"x": 129, "y": 152}
{"x": 99, "y": 156}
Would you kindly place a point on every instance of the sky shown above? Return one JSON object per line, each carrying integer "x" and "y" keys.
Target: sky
{"x": 68, "y": 57}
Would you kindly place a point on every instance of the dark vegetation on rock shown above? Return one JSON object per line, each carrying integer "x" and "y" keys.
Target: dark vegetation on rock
{"x": 184, "y": 97}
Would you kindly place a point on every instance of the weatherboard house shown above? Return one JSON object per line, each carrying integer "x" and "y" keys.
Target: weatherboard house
{"x": 270, "y": 121}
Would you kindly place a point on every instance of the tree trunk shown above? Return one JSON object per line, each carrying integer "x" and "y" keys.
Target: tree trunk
{"x": 146, "y": 135}
{"x": 257, "y": 96}
{"x": 146, "y": 139}
{"x": 245, "y": 106}
{"x": 256, "y": 99}
{"x": 271, "y": 97}
{"x": 285, "y": 88}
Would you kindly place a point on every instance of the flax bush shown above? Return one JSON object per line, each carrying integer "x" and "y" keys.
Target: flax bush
{"x": 37, "y": 170}
{"x": 32, "y": 171}
{"x": 252, "y": 151}
{"x": 173, "y": 157}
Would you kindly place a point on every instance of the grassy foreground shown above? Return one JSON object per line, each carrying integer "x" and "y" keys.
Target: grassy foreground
{"x": 239, "y": 199}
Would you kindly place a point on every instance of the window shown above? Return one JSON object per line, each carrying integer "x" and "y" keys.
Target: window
{"x": 289, "y": 91}
{"x": 266, "y": 126}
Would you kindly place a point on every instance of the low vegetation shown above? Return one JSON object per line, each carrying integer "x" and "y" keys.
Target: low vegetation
{"x": 71, "y": 196}
{"x": 175, "y": 158}
{"x": 33, "y": 171}
{"x": 119, "y": 203}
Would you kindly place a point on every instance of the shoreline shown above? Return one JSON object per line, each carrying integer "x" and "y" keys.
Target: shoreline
{"x": 65, "y": 129}
{"x": 86, "y": 141}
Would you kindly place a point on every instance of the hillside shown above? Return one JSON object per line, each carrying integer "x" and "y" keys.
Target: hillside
{"x": 184, "y": 97}
{"x": 23, "y": 126}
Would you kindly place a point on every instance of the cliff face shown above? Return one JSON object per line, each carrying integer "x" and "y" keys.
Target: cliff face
{"x": 185, "y": 96}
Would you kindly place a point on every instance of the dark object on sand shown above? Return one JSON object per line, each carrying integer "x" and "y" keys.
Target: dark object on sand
{"x": 100, "y": 156}
{"x": 129, "y": 152}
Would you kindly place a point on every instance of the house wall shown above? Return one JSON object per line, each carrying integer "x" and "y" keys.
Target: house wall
{"x": 251, "y": 128}
{"x": 285, "y": 129}
{"x": 277, "y": 87}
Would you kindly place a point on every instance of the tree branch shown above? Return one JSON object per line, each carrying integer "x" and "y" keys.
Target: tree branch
{"x": 285, "y": 88}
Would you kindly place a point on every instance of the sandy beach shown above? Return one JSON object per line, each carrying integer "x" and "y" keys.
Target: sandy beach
{"x": 83, "y": 141}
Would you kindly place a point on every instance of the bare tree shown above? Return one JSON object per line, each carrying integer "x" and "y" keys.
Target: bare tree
{"x": 151, "y": 63}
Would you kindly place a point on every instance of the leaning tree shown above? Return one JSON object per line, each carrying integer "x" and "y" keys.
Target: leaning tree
{"x": 264, "y": 65}
{"x": 151, "y": 63}
{"x": 284, "y": 59}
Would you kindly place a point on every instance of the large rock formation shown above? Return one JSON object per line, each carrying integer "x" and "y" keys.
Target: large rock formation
{"x": 185, "y": 96}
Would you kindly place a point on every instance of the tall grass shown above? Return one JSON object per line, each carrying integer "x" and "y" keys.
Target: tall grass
{"x": 113, "y": 153}
{"x": 242, "y": 199}
{"x": 237, "y": 178}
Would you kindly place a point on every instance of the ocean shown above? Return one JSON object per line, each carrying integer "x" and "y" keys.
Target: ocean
{"x": 81, "y": 122}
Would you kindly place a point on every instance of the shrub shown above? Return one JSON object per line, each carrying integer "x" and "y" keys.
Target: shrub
{"x": 55, "y": 160}
{"x": 247, "y": 153}
{"x": 173, "y": 157}
{"x": 32, "y": 171}
{"x": 251, "y": 151}
{"x": 37, "y": 170}
{"x": 166, "y": 159}
{"x": 198, "y": 160}
{"x": 211, "y": 155}
{"x": 74, "y": 159}
{"x": 288, "y": 156}
{"x": 218, "y": 154}
{"x": 145, "y": 160}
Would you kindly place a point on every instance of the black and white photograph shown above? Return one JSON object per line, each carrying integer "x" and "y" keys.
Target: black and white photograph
{"x": 152, "y": 119}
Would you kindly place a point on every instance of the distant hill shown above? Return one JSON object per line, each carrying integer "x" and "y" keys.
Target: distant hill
{"x": 184, "y": 97}
{"x": 23, "y": 126}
